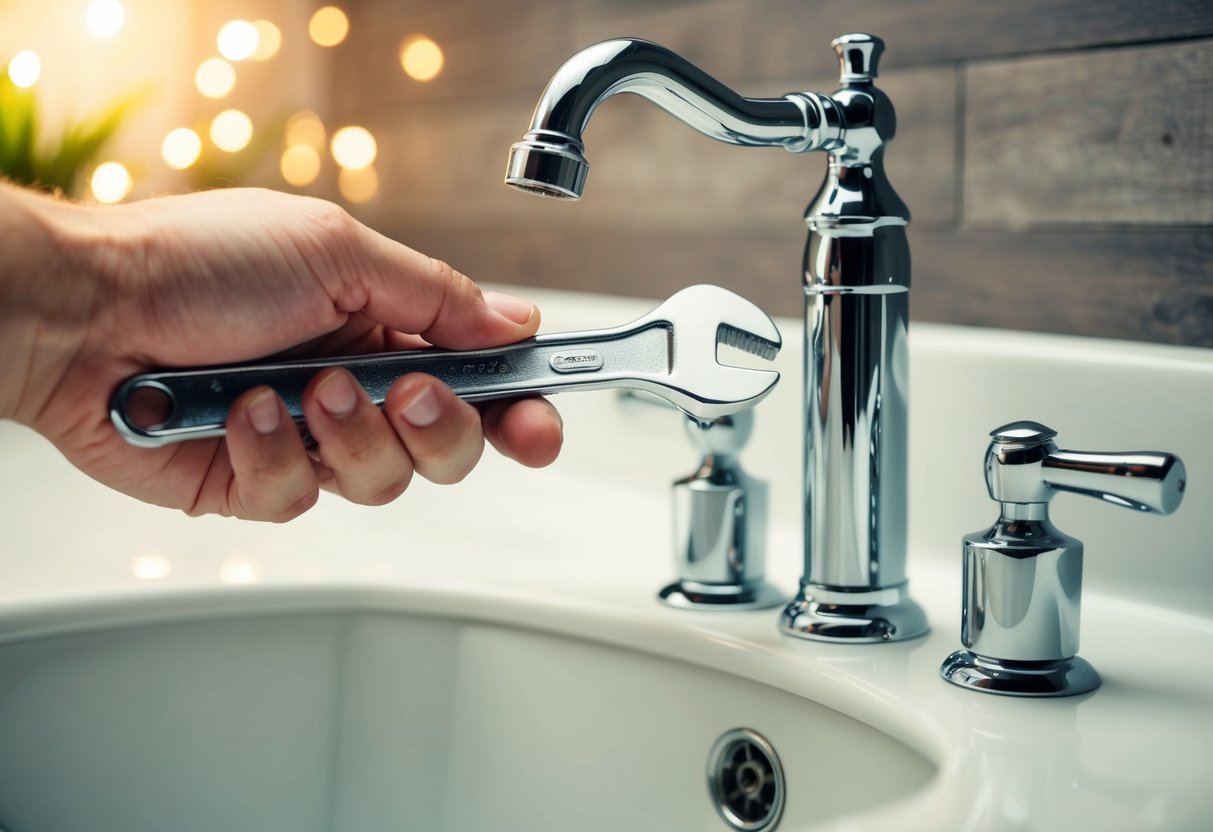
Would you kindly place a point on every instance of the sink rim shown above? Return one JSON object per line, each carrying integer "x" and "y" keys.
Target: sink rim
{"x": 699, "y": 639}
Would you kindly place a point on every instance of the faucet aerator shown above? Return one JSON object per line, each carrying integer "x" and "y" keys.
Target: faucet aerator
{"x": 556, "y": 170}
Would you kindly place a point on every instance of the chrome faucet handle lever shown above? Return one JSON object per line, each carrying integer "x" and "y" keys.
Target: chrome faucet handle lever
{"x": 1144, "y": 480}
{"x": 1023, "y": 465}
{"x": 1023, "y": 577}
{"x": 720, "y": 516}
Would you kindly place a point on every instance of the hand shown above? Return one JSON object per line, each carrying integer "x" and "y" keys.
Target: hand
{"x": 234, "y": 275}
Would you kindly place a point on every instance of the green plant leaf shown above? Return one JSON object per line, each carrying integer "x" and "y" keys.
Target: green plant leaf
{"x": 60, "y": 165}
{"x": 81, "y": 143}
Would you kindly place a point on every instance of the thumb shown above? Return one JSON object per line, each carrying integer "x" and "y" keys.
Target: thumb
{"x": 410, "y": 292}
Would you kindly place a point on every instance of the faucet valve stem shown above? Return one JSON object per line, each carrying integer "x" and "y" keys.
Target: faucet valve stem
{"x": 720, "y": 516}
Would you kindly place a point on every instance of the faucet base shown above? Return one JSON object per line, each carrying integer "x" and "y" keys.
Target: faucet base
{"x": 1066, "y": 677}
{"x": 691, "y": 595}
{"x": 823, "y": 614}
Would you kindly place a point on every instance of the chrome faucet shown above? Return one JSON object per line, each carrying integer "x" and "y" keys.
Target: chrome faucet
{"x": 856, "y": 284}
{"x": 1023, "y": 577}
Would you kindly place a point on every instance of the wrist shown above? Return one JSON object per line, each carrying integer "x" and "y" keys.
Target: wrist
{"x": 49, "y": 288}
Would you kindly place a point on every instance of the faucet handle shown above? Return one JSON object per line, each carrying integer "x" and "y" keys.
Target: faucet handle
{"x": 858, "y": 55}
{"x": 1022, "y": 581}
{"x": 1024, "y": 465}
{"x": 1148, "y": 481}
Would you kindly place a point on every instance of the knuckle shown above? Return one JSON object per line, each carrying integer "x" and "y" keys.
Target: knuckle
{"x": 445, "y": 271}
{"x": 331, "y": 219}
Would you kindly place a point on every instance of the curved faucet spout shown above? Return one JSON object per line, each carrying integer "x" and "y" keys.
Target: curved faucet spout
{"x": 550, "y": 159}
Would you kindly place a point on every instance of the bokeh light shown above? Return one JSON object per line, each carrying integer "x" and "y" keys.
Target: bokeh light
{"x": 110, "y": 183}
{"x": 305, "y": 127}
{"x": 359, "y": 185}
{"x": 231, "y": 130}
{"x": 215, "y": 78}
{"x": 269, "y": 40}
{"x": 421, "y": 58}
{"x": 236, "y": 570}
{"x": 237, "y": 40}
{"x": 354, "y": 148}
{"x": 105, "y": 18}
{"x": 151, "y": 567}
{"x": 181, "y": 148}
{"x": 25, "y": 68}
{"x": 300, "y": 165}
{"x": 328, "y": 26}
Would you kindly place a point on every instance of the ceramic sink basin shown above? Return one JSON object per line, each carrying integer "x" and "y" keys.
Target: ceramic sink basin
{"x": 351, "y": 719}
{"x": 492, "y": 655}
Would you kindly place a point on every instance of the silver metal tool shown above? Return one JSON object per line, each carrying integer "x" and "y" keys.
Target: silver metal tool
{"x": 672, "y": 352}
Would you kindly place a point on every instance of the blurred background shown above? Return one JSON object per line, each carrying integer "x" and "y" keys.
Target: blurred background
{"x": 1057, "y": 156}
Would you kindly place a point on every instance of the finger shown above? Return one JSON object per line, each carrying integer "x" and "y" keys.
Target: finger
{"x": 369, "y": 464}
{"x": 440, "y": 431}
{"x": 411, "y": 292}
{"x": 273, "y": 476}
{"x": 529, "y": 431}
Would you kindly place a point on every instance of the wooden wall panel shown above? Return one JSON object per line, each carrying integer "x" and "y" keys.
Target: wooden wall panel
{"x": 787, "y": 37}
{"x": 1143, "y": 284}
{"x": 1096, "y": 138}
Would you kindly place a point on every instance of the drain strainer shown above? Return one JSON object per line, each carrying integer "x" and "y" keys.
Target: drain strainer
{"x": 746, "y": 780}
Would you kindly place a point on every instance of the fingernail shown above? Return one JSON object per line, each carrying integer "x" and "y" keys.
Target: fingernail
{"x": 511, "y": 308}
{"x": 263, "y": 412}
{"x": 337, "y": 395}
{"x": 423, "y": 410}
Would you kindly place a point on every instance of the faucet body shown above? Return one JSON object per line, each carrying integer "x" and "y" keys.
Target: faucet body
{"x": 856, "y": 288}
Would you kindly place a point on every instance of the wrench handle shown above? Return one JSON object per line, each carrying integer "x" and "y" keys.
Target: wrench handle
{"x": 198, "y": 400}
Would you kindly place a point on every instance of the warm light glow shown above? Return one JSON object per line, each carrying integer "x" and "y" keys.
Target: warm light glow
{"x": 151, "y": 567}
{"x": 181, "y": 148}
{"x": 25, "y": 68}
{"x": 238, "y": 40}
{"x": 238, "y": 571}
{"x": 305, "y": 128}
{"x": 358, "y": 185}
{"x": 269, "y": 40}
{"x": 215, "y": 78}
{"x": 354, "y": 148}
{"x": 111, "y": 183}
{"x": 328, "y": 26}
{"x": 231, "y": 130}
{"x": 300, "y": 165}
{"x": 105, "y": 18}
{"x": 421, "y": 58}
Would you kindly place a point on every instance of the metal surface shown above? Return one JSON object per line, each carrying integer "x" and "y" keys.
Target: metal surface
{"x": 550, "y": 159}
{"x": 671, "y": 352}
{"x": 1022, "y": 580}
{"x": 745, "y": 780}
{"x": 720, "y": 519}
{"x": 856, "y": 282}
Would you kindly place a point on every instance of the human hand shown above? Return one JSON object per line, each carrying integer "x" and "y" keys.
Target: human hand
{"x": 229, "y": 276}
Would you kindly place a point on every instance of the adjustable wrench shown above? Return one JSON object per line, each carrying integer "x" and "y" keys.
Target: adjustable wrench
{"x": 671, "y": 352}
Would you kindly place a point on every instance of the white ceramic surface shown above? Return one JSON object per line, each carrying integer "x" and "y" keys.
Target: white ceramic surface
{"x": 310, "y": 667}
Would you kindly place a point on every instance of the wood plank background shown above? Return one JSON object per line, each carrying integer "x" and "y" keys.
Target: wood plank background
{"x": 1057, "y": 157}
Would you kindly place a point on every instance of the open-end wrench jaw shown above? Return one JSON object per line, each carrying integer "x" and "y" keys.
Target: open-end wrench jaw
{"x": 701, "y": 319}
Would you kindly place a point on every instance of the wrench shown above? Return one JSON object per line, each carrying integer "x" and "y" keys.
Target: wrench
{"x": 671, "y": 352}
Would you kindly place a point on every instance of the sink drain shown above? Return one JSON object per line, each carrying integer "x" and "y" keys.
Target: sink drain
{"x": 746, "y": 780}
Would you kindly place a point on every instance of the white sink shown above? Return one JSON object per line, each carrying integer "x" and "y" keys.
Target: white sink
{"x": 343, "y": 718}
{"x": 491, "y": 655}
